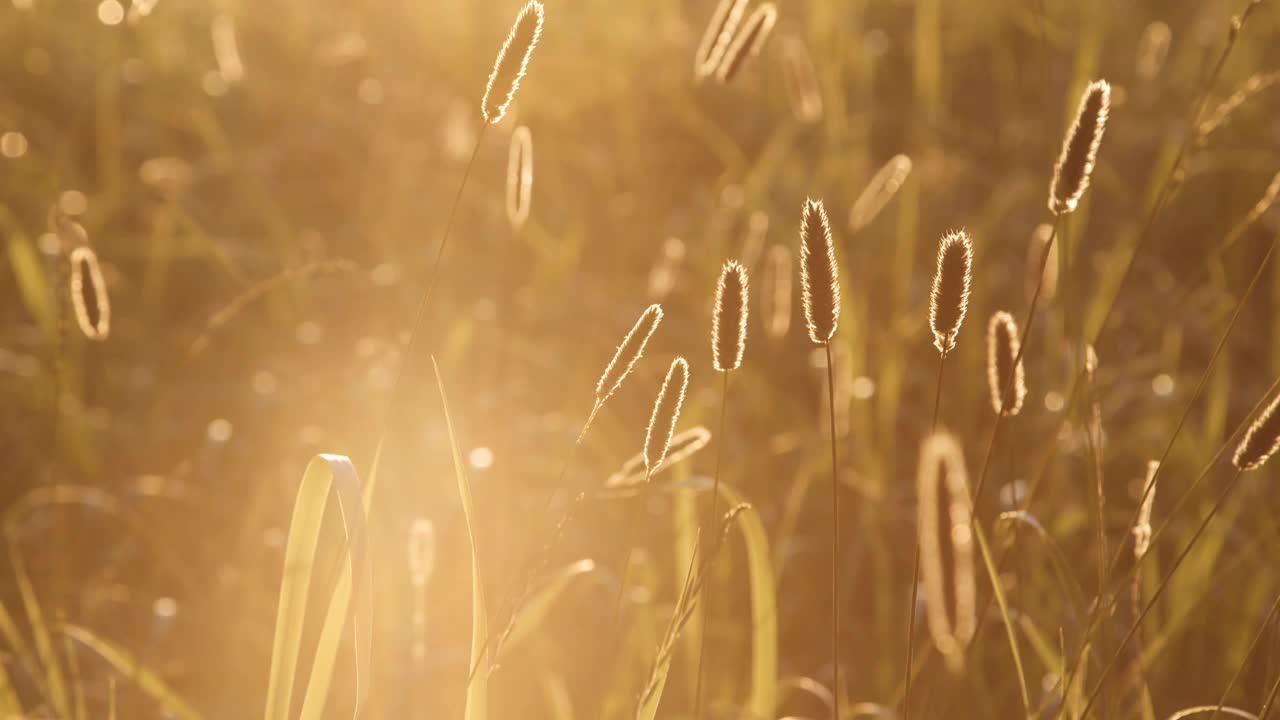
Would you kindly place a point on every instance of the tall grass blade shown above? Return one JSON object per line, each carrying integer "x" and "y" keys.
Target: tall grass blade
{"x": 763, "y": 699}
{"x": 126, "y": 664}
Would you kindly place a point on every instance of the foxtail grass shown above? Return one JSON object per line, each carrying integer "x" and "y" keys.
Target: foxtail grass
{"x": 882, "y": 187}
{"x": 820, "y": 286}
{"x": 748, "y": 42}
{"x": 728, "y": 343}
{"x": 666, "y": 410}
{"x": 1080, "y": 149}
{"x": 804, "y": 94}
{"x": 718, "y": 36}
{"x": 512, "y": 62}
{"x": 942, "y": 463}
{"x": 1003, "y": 346}
{"x": 89, "y": 294}
{"x": 519, "y": 177}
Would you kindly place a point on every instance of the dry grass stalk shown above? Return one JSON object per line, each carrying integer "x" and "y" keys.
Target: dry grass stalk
{"x": 949, "y": 300}
{"x": 776, "y": 297}
{"x": 942, "y": 462}
{"x": 1255, "y": 213}
{"x": 729, "y": 321}
{"x": 1142, "y": 528}
{"x": 879, "y": 191}
{"x": 89, "y": 294}
{"x": 1261, "y": 440}
{"x": 666, "y": 410}
{"x": 804, "y": 95}
{"x": 819, "y": 276}
{"x": 748, "y": 42}
{"x": 519, "y": 177}
{"x": 624, "y": 359}
{"x": 684, "y": 444}
{"x": 1153, "y": 49}
{"x": 512, "y": 61}
{"x": 1002, "y": 348}
{"x": 718, "y": 35}
{"x": 1035, "y": 252}
{"x": 1080, "y": 149}
{"x": 1256, "y": 84}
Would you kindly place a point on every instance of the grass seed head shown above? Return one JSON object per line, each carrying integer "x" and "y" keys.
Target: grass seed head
{"x": 729, "y": 322}
{"x": 1261, "y": 440}
{"x": 519, "y": 177}
{"x": 718, "y": 36}
{"x": 666, "y": 410}
{"x": 89, "y": 294}
{"x": 819, "y": 277}
{"x": 628, "y": 353}
{"x": 949, "y": 300}
{"x": 1080, "y": 149}
{"x": 942, "y": 463}
{"x": 748, "y": 42}
{"x": 512, "y": 61}
{"x": 1002, "y": 348}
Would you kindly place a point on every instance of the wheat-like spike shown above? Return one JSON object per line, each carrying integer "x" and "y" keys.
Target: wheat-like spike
{"x": 666, "y": 410}
{"x": 683, "y": 445}
{"x": 717, "y": 37}
{"x": 819, "y": 276}
{"x": 89, "y": 294}
{"x": 628, "y": 353}
{"x": 950, "y": 297}
{"x": 754, "y": 34}
{"x": 804, "y": 95}
{"x": 1035, "y": 253}
{"x": 1002, "y": 348}
{"x": 519, "y": 177}
{"x": 776, "y": 297}
{"x": 1142, "y": 528}
{"x": 879, "y": 191}
{"x": 1261, "y": 440}
{"x": 942, "y": 462}
{"x": 1080, "y": 149}
{"x": 729, "y": 321}
{"x": 1153, "y": 48}
{"x": 512, "y": 61}
{"x": 422, "y": 552}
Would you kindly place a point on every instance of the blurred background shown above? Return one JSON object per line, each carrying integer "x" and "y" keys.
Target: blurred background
{"x": 265, "y": 185}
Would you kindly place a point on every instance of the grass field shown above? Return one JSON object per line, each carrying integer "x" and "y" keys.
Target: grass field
{"x": 335, "y": 386}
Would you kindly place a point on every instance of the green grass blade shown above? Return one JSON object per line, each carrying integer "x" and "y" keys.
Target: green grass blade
{"x": 54, "y": 680}
{"x": 1004, "y": 615}
{"x": 478, "y": 688}
{"x": 29, "y": 275}
{"x": 323, "y": 473}
{"x": 128, "y": 666}
{"x": 763, "y": 700}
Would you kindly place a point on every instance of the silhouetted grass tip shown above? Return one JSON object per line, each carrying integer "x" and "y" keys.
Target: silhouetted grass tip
{"x": 1261, "y": 440}
{"x": 1080, "y": 149}
{"x": 950, "y": 297}
{"x": 519, "y": 177}
{"x": 718, "y": 35}
{"x": 628, "y": 352}
{"x": 512, "y": 61}
{"x": 1002, "y": 348}
{"x": 942, "y": 463}
{"x": 748, "y": 42}
{"x": 729, "y": 321}
{"x": 89, "y": 294}
{"x": 666, "y": 410}
{"x": 819, "y": 278}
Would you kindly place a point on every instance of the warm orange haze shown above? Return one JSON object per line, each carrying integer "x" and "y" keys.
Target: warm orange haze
{"x": 690, "y": 360}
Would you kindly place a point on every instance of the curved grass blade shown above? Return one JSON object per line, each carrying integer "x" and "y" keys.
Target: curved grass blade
{"x": 763, "y": 700}
{"x": 543, "y": 600}
{"x": 324, "y": 473}
{"x": 478, "y": 688}
{"x": 994, "y": 577}
{"x": 127, "y": 665}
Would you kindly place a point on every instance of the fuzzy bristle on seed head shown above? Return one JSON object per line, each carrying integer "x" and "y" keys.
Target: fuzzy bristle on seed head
{"x": 746, "y": 45}
{"x": 1080, "y": 149}
{"x": 950, "y": 297}
{"x": 628, "y": 353}
{"x": 1261, "y": 440}
{"x": 729, "y": 320}
{"x": 942, "y": 463}
{"x": 718, "y": 36}
{"x": 89, "y": 294}
{"x": 819, "y": 277}
{"x": 666, "y": 410}
{"x": 512, "y": 61}
{"x": 519, "y": 177}
{"x": 1002, "y": 374}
